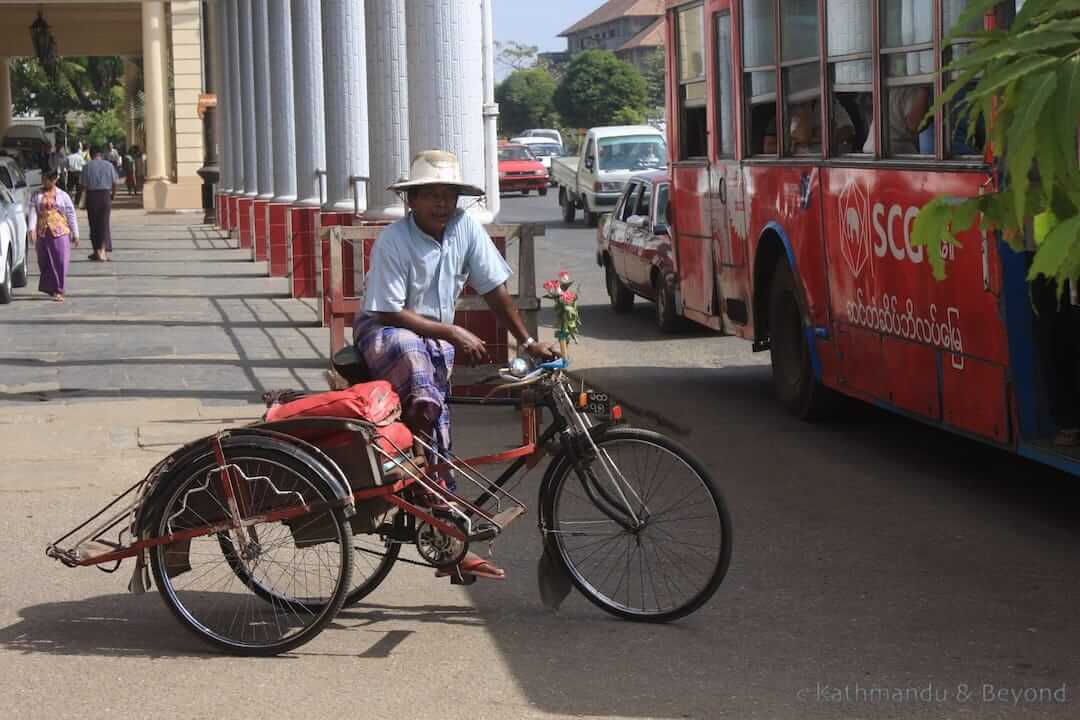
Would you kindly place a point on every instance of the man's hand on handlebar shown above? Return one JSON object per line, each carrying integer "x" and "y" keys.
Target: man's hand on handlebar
{"x": 543, "y": 351}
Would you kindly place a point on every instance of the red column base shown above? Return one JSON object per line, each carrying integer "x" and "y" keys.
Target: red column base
{"x": 302, "y": 223}
{"x": 262, "y": 231}
{"x": 277, "y": 216}
{"x": 233, "y": 210}
{"x": 244, "y": 220}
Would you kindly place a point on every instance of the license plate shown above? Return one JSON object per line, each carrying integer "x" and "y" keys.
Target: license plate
{"x": 598, "y": 403}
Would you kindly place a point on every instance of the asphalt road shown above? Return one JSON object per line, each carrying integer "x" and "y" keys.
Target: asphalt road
{"x": 881, "y": 569}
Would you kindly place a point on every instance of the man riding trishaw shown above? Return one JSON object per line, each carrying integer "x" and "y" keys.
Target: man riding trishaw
{"x": 405, "y": 331}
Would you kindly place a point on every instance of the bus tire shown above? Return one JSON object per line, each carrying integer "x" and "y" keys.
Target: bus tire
{"x": 567, "y": 203}
{"x": 798, "y": 390}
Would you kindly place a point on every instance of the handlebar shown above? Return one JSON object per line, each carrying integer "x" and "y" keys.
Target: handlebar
{"x": 540, "y": 370}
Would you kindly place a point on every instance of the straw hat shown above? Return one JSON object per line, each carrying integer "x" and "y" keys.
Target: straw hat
{"x": 435, "y": 167}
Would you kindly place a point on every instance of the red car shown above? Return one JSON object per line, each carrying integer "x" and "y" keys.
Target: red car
{"x": 519, "y": 170}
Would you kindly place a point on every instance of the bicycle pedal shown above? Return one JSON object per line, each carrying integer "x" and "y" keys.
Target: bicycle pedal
{"x": 459, "y": 579}
{"x": 483, "y": 531}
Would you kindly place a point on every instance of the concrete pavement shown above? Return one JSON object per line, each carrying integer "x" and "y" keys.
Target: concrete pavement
{"x": 872, "y": 554}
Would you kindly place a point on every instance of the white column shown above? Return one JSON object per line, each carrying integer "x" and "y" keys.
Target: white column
{"x": 491, "y": 115}
{"x": 446, "y": 97}
{"x": 155, "y": 57}
{"x": 218, "y": 28}
{"x": 264, "y": 122}
{"x": 247, "y": 99}
{"x": 346, "y": 104}
{"x": 308, "y": 94}
{"x": 281, "y": 100}
{"x": 5, "y": 94}
{"x": 388, "y": 105}
{"x": 236, "y": 106}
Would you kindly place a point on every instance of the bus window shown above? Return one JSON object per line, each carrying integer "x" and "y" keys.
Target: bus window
{"x": 958, "y": 142}
{"x": 908, "y": 64}
{"x": 690, "y": 29}
{"x": 802, "y": 87}
{"x": 849, "y": 28}
{"x": 725, "y": 100}
{"x": 759, "y": 62}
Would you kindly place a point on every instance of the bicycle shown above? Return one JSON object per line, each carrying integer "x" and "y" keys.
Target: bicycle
{"x": 257, "y": 536}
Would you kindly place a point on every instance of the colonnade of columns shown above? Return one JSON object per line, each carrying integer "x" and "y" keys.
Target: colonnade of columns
{"x": 322, "y": 103}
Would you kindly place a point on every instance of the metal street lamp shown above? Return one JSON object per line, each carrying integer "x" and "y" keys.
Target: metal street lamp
{"x": 44, "y": 45}
{"x": 209, "y": 172}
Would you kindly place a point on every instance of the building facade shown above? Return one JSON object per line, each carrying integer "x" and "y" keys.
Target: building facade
{"x": 632, "y": 29}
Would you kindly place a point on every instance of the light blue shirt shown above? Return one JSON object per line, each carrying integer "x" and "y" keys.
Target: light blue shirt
{"x": 410, "y": 270}
{"x": 99, "y": 175}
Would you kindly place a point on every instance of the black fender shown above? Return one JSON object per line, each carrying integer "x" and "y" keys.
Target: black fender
{"x": 557, "y": 461}
{"x": 173, "y": 466}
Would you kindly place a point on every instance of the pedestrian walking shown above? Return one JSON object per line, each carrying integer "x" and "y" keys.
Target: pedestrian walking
{"x": 54, "y": 230}
{"x": 74, "y": 163}
{"x": 99, "y": 178}
{"x": 114, "y": 156}
{"x": 129, "y": 173}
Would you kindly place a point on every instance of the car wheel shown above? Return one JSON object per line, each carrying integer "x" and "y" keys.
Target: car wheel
{"x": 665, "y": 307}
{"x": 19, "y": 277}
{"x": 524, "y": 192}
{"x": 568, "y": 210}
{"x": 5, "y": 279}
{"x": 589, "y": 217}
{"x": 622, "y": 299}
{"x": 542, "y": 192}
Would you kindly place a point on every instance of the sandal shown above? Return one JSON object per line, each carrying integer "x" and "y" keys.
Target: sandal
{"x": 94, "y": 257}
{"x": 473, "y": 564}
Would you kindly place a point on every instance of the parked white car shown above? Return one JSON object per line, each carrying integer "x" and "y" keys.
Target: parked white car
{"x": 14, "y": 262}
{"x": 14, "y": 179}
{"x": 542, "y": 148}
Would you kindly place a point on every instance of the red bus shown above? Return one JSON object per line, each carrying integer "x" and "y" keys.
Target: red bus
{"x": 799, "y": 159}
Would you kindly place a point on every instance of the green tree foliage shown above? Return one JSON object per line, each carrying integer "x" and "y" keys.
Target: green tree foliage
{"x": 597, "y": 85}
{"x": 524, "y": 99}
{"x": 655, "y": 74}
{"x": 628, "y": 116}
{"x": 1024, "y": 85}
{"x": 81, "y": 83}
{"x": 102, "y": 128}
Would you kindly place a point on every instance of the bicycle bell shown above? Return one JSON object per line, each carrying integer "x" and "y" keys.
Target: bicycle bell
{"x": 519, "y": 367}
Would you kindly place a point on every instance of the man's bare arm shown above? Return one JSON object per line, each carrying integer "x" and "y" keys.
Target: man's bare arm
{"x": 466, "y": 343}
{"x": 502, "y": 304}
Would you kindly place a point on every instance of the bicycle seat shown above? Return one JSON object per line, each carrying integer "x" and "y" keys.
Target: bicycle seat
{"x": 351, "y": 366}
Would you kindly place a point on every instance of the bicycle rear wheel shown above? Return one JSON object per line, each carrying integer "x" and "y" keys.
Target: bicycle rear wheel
{"x": 667, "y": 566}
{"x": 265, "y": 588}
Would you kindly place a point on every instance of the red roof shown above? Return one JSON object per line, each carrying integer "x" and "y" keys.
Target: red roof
{"x": 651, "y": 36}
{"x": 615, "y": 9}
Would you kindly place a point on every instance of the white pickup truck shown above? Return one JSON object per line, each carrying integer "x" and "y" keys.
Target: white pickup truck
{"x": 609, "y": 156}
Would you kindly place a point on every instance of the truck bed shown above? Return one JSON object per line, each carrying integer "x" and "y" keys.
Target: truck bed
{"x": 564, "y": 172}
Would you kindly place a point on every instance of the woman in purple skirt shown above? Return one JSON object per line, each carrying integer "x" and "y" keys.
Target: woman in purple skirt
{"x": 54, "y": 229}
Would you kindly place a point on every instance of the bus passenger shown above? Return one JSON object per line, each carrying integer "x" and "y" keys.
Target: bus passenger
{"x": 907, "y": 106}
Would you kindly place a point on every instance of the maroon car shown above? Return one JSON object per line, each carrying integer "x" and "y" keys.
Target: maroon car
{"x": 634, "y": 248}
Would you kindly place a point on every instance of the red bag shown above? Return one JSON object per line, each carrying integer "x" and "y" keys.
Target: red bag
{"x": 374, "y": 401}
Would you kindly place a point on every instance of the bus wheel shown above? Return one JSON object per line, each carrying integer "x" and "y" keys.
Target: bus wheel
{"x": 568, "y": 210}
{"x": 793, "y": 376}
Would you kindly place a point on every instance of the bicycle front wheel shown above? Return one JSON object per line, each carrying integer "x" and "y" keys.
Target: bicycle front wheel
{"x": 642, "y": 529}
{"x": 269, "y": 586}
